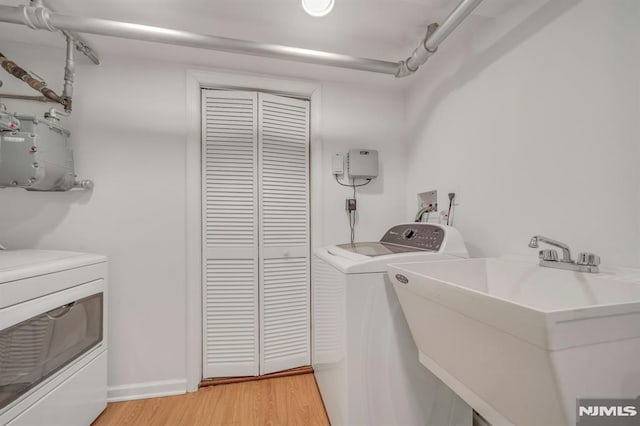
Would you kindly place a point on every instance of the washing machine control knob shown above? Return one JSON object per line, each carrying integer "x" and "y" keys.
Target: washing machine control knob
{"x": 408, "y": 234}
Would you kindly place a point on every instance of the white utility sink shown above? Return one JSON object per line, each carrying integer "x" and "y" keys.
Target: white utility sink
{"x": 520, "y": 342}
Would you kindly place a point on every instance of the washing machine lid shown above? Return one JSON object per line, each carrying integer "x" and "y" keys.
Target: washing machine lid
{"x": 410, "y": 242}
{"x": 404, "y": 238}
{"x": 374, "y": 249}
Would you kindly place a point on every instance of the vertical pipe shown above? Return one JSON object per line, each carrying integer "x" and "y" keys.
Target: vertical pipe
{"x": 69, "y": 72}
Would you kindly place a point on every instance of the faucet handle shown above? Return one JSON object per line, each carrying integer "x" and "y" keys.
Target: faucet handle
{"x": 549, "y": 255}
{"x": 588, "y": 259}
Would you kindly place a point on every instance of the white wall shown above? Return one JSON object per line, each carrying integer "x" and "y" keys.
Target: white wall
{"x": 129, "y": 128}
{"x": 374, "y": 120}
{"x": 532, "y": 119}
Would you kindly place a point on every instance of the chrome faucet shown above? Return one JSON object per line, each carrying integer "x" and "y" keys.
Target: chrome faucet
{"x": 566, "y": 253}
{"x": 422, "y": 211}
{"x": 587, "y": 262}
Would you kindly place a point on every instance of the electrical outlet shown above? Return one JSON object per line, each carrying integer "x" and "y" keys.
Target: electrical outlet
{"x": 351, "y": 204}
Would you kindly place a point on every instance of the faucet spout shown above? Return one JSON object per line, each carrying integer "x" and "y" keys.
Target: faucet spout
{"x": 421, "y": 212}
{"x": 566, "y": 253}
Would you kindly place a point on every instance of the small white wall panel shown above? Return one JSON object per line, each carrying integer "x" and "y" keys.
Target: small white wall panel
{"x": 283, "y": 145}
{"x": 230, "y": 234}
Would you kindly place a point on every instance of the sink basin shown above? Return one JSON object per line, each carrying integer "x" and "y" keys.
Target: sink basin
{"x": 520, "y": 342}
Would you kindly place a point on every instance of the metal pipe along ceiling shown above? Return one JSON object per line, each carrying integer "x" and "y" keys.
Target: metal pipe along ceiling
{"x": 38, "y": 17}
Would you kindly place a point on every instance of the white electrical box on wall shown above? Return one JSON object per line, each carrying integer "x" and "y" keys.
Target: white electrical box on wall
{"x": 362, "y": 163}
{"x": 337, "y": 164}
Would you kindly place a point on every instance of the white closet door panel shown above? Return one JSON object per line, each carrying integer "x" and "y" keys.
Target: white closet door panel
{"x": 283, "y": 145}
{"x": 285, "y": 325}
{"x": 284, "y": 171}
{"x": 231, "y": 319}
{"x": 229, "y": 169}
{"x": 230, "y": 234}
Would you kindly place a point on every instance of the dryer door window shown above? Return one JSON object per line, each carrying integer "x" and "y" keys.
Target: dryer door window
{"x": 36, "y": 348}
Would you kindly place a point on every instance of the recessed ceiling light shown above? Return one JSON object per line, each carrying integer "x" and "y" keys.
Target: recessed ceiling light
{"x": 317, "y": 7}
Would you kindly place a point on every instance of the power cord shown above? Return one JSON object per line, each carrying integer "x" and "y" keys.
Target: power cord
{"x": 353, "y": 185}
{"x": 352, "y": 213}
{"x": 352, "y": 226}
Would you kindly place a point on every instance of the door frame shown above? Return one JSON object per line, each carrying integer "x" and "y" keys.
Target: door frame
{"x": 196, "y": 80}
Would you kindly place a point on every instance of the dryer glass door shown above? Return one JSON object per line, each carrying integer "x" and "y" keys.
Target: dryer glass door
{"x": 34, "y": 349}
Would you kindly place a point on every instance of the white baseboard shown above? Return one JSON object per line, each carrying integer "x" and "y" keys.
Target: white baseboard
{"x": 146, "y": 390}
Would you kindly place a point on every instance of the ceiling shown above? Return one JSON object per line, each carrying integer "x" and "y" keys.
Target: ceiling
{"x": 380, "y": 29}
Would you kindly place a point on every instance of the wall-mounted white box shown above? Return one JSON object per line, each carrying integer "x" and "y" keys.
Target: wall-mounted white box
{"x": 362, "y": 163}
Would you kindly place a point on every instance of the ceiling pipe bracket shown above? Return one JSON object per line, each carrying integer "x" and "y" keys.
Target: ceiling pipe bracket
{"x": 37, "y": 18}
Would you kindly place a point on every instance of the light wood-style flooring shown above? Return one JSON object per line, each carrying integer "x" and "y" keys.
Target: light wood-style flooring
{"x": 292, "y": 400}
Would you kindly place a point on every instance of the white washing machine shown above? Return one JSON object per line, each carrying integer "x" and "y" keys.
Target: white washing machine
{"x": 365, "y": 361}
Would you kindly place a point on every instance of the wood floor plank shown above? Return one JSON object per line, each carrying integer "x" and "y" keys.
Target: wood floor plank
{"x": 291, "y": 400}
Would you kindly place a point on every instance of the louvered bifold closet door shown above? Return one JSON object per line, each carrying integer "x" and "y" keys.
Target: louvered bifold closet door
{"x": 283, "y": 146}
{"x": 230, "y": 234}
